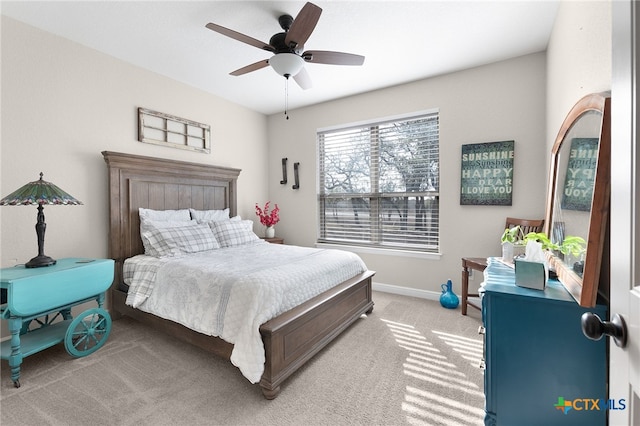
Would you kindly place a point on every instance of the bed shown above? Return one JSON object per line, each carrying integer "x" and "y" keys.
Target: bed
{"x": 291, "y": 338}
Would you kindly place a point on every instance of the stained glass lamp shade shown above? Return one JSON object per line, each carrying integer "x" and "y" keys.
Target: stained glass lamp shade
{"x": 39, "y": 192}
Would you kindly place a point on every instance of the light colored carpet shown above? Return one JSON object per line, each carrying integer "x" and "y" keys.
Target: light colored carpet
{"x": 409, "y": 362}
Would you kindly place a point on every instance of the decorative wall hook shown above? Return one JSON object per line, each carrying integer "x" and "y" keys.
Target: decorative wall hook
{"x": 284, "y": 172}
{"x": 295, "y": 176}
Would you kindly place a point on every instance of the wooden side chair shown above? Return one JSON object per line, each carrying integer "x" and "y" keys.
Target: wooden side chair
{"x": 480, "y": 263}
{"x": 526, "y": 225}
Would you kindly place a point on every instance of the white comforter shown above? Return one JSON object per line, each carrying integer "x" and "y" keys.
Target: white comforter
{"x": 230, "y": 292}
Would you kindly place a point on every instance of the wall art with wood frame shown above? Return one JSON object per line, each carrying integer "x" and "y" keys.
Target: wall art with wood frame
{"x": 168, "y": 130}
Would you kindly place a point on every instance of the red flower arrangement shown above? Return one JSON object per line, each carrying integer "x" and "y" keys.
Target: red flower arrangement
{"x": 268, "y": 218}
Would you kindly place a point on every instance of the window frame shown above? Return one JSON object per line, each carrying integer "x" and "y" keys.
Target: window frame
{"x": 378, "y": 245}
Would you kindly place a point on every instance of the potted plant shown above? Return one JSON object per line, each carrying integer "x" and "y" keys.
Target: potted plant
{"x": 571, "y": 249}
{"x": 268, "y": 218}
{"x": 510, "y": 237}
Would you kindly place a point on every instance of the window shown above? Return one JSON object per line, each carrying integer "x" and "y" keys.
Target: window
{"x": 379, "y": 184}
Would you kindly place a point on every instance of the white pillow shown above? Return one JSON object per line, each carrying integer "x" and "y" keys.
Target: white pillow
{"x": 147, "y": 223}
{"x": 181, "y": 215}
{"x": 206, "y": 215}
{"x": 178, "y": 240}
{"x": 233, "y": 233}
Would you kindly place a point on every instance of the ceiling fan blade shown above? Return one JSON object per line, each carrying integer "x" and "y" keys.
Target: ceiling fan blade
{"x": 249, "y": 68}
{"x": 303, "y": 25}
{"x": 303, "y": 79}
{"x": 332, "y": 58}
{"x": 240, "y": 37}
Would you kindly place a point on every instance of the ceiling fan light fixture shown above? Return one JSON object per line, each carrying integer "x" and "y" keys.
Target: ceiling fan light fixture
{"x": 287, "y": 46}
{"x": 286, "y": 64}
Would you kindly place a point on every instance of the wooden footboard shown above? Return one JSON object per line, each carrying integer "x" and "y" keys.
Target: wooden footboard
{"x": 295, "y": 336}
{"x": 290, "y": 339}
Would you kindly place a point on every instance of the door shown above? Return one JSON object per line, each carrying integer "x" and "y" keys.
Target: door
{"x": 624, "y": 364}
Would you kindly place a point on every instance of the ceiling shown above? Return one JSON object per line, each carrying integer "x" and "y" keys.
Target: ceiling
{"x": 402, "y": 41}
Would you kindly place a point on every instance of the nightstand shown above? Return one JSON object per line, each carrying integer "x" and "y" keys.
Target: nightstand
{"x": 274, "y": 240}
{"x": 44, "y": 296}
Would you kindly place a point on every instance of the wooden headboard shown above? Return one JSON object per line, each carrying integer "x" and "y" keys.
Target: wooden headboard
{"x": 136, "y": 181}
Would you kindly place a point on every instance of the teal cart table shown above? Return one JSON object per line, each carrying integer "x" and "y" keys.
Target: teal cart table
{"x": 37, "y": 304}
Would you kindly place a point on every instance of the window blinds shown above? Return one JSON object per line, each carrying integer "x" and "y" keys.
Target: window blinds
{"x": 379, "y": 184}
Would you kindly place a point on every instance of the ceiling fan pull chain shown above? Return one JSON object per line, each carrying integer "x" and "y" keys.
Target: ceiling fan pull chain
{"x": 286, "y": 95}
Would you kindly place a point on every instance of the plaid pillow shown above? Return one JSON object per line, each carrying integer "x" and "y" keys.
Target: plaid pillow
{"x": 232, "y": 233}
{"x": 191, "y": 238}
{"x": 148, "y": 225}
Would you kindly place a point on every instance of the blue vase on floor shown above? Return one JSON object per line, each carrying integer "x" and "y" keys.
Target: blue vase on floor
{"x": 448, "y": 298}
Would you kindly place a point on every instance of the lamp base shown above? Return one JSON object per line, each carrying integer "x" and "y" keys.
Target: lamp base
{"x": 40, "y": 261}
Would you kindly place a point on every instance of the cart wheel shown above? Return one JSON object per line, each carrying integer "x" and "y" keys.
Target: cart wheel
{"x": 87, "y": 332}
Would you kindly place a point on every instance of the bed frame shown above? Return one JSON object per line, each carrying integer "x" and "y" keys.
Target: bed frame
{"x": 290, "y": 339}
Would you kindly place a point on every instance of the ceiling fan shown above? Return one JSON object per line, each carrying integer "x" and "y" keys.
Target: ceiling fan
{"x": 287, "y": 46}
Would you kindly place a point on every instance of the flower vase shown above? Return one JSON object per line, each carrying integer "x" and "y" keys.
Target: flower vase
{"x": 270, "y": 232}
{"x": 448, "y": 298}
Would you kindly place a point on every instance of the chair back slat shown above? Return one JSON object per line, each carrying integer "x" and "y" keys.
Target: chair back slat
{"x": 526, "y": 225}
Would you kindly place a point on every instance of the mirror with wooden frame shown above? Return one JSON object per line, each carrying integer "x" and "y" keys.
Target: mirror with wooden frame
{"x": 578, "y": 196}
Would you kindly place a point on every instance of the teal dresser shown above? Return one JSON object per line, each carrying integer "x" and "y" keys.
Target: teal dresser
{"x": 37, "y": 302}
{"x": 540, "y": 368}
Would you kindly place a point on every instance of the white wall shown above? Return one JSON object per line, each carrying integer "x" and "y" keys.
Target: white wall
{"x": 63, "y": 103}
{"x": 578, "y": 58}
{"x": 501, "y": 101}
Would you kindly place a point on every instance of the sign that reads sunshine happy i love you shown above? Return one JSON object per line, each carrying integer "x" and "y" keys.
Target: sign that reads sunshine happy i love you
{"x": 487, "y": 174}
{"x": 581, "y": 174}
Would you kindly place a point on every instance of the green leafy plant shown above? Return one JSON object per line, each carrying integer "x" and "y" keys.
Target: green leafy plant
{"x": 571, "y": 244}
{"x": 511, "y": 235}
{"x": 541, "y": 238}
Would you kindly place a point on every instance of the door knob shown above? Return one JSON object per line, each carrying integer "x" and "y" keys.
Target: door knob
{"x": 594, "y": 328}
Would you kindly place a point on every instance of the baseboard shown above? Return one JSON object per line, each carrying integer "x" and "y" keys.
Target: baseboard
{"x": 405, "y": 291}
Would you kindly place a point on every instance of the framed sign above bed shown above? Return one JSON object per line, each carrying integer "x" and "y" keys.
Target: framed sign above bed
{"x": 168, "y": 130}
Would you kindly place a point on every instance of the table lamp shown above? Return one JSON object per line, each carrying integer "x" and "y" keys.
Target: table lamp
{"x": 39, "y": 192}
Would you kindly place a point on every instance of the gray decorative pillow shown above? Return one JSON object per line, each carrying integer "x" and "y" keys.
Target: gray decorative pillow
{"x": 177, "y": 241}
{"x": 233, "y": 233}
{"x": 148, "y": 225}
